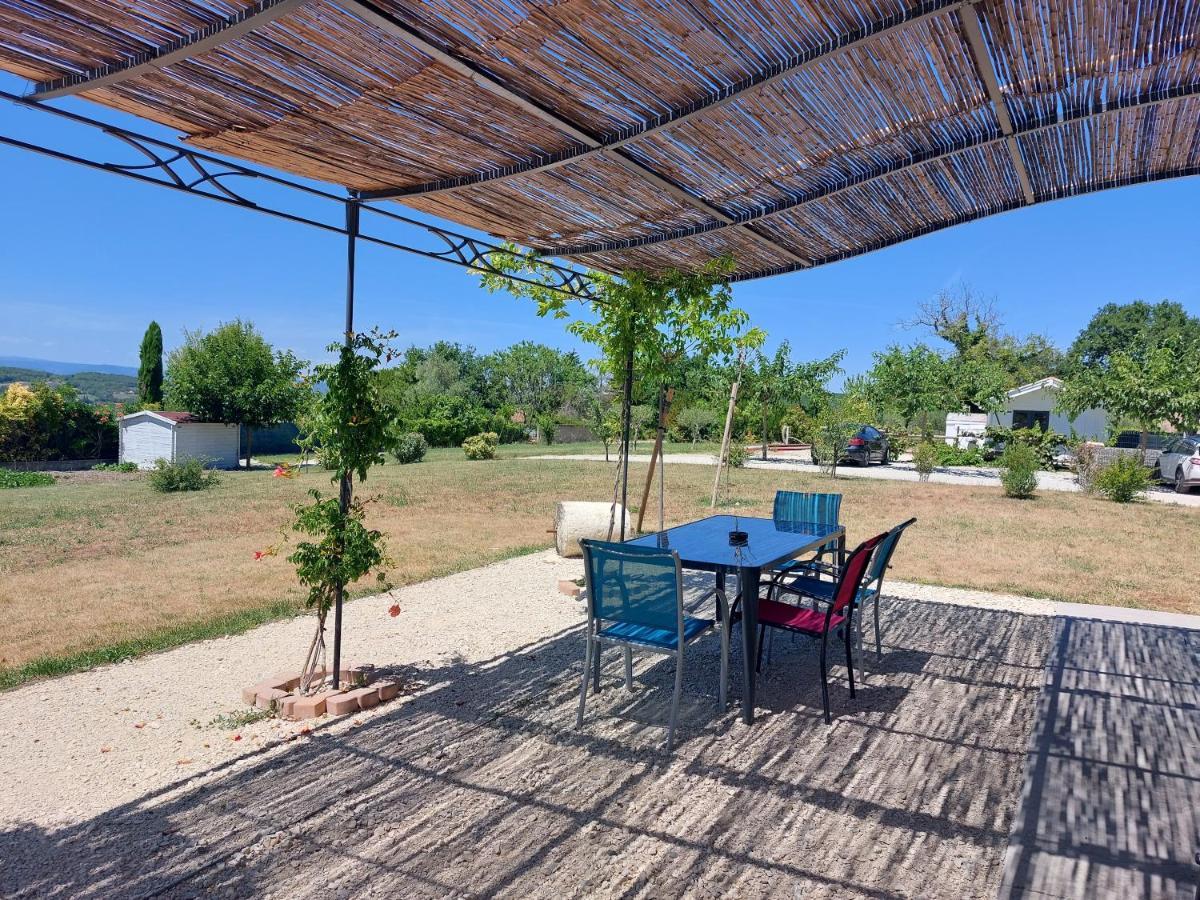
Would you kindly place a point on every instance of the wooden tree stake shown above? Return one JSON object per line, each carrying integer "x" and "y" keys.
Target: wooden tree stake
{"x": 733, "y": 392}
{"x": 664, "y": 403}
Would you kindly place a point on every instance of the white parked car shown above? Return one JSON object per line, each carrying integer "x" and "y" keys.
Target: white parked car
{"x": 1179, "y": 463}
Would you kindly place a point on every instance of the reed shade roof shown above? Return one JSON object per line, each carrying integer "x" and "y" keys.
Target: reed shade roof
{"x": 645, "y": 133}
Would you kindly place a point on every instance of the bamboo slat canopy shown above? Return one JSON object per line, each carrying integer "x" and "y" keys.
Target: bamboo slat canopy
{"x": 652, "y": 133}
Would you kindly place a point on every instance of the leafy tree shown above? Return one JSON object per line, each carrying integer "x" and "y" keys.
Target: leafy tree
{"x": 775, "y": 383}
{"x": 444, "y": 369}
{"x": 665, "y": 318}
{"x": 352, "y": 426}
{"x": 537, "y": 379}
{"x": 1140, "y": 362}
{"x": 696, "y": 420}
{"x": 150, "y": 366}
{"x": 987, "y": 360}
{"x": 1130, "y": 328}
{"x": 962, "y": 318}
{"x": 640, "y": 415}
{"x": 911, "y": 383}
{"x": 836, "y": 422}
{"x": 646, "y": 325}
{"x": 233, "y": 375}
{"x": 49, "y": 421}
{"x": 978, "y": 382}
{"x": 1142, "y": 386}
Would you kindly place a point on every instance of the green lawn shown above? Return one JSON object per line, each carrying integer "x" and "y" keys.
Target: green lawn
{"x": 97, "y": 563}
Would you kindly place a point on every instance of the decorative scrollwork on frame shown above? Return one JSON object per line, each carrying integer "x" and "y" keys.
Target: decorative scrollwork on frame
{"x": 204, "y": 175}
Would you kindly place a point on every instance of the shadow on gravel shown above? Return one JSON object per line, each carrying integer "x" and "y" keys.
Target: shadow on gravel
{"x": 481, "y": 785}
{"x": 1111, "y": 804}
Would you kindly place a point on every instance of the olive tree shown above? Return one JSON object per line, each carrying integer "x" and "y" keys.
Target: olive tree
{"x": 644, "y": 324}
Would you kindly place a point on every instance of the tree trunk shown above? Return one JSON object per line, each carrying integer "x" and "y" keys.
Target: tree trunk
{"x": 764, "y": 432}
{"x": 249, "y": 445}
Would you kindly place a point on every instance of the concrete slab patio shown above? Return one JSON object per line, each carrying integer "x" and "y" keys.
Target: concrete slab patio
{"x": 478, "y": 784}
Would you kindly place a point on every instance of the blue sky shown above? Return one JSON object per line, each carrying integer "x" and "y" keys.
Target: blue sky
{"x": 88, "y": 258}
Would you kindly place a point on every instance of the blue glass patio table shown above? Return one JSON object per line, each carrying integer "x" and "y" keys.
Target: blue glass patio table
{"x": 704, "y": 545}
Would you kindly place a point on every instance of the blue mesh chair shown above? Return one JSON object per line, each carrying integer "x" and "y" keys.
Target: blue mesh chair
{"x": 821, "y": 509}
{"x": 810, "y": 585}
{"x": 635, "y": 599}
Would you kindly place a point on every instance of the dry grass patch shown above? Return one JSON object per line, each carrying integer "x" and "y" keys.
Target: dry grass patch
{"x": 89, "y": 564}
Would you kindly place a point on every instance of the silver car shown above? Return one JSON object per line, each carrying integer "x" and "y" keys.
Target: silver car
{"x": 1179, "y": 463}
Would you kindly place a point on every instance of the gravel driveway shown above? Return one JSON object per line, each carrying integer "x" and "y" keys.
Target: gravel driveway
{"x": 966, "y": 476}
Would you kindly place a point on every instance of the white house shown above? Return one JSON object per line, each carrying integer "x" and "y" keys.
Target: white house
{"x": 175, "y": 436}
{"x": 1025, "y": 407}
{"x": 1033, "y": 404}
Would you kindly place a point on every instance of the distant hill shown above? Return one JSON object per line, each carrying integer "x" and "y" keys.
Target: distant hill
{"x": 63, "y": 368}
{"x": 93, "y": 387}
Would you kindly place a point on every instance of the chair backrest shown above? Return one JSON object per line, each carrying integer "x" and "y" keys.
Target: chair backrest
{"x": 797, "y": 506}
{"x": 635, "y": 585}
{"x": 851, "y": 578}
{"x": 883, "y": 554}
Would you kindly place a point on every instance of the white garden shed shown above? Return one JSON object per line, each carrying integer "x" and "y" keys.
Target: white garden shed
{"x": 150, "y": 435}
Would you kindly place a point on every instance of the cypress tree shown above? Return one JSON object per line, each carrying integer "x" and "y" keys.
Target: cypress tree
{"x": 150, "y": 369}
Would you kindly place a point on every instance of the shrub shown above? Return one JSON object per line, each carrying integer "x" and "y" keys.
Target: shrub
{"x": 187, "y": 475}
{"x": 925, "y": 457}
{"x": 1123, "y": 479}
{"x": 737, "y": 455}
{"x": 949, "y": 455}
{"x": 11, "y": 479}
{"x": 481, "y": 446}
{"x": 115, "y": 467}
{"x": 1043, "y": 443}
{"x": 411, "y": 447}
{"x": 547, "y": 427}
{"x": 447, "y": 421}
{"x": 1018, "y": 471}
{"x": 50, "y": 422}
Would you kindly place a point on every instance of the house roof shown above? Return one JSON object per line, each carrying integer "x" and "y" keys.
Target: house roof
{"x": 641, "y": 134}
{"x": 1033, "y": 386}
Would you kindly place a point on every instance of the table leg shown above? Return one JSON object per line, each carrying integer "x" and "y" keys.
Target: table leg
{"x": 748, "y": 588}
{"x": 842, "y": 550}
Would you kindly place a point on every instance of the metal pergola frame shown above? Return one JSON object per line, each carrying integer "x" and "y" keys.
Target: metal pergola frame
{"x": 199, "y": 174}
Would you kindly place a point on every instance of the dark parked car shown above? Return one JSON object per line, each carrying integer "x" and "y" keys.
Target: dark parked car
{"x": 867, "y": 445}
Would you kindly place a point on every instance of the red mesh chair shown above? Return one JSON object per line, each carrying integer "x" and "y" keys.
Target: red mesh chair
{"x": 817, "y": 623}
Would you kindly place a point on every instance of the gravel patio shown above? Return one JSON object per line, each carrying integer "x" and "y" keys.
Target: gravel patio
{"x": 1000, "y": 746}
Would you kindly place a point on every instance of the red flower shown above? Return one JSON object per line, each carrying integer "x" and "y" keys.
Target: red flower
{"x": 258, "y": 554}
{"x": 279, "y": 472}
{"x": 394, "y": 610}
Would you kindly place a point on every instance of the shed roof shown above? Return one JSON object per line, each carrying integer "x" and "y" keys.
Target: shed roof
{"x": 637, "y": 133}
{"x": 174, "y": 417}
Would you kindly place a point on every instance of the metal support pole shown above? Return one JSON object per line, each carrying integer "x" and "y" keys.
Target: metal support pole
{"x": 346, "y": 488}
{"x": 626, "y": 407}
